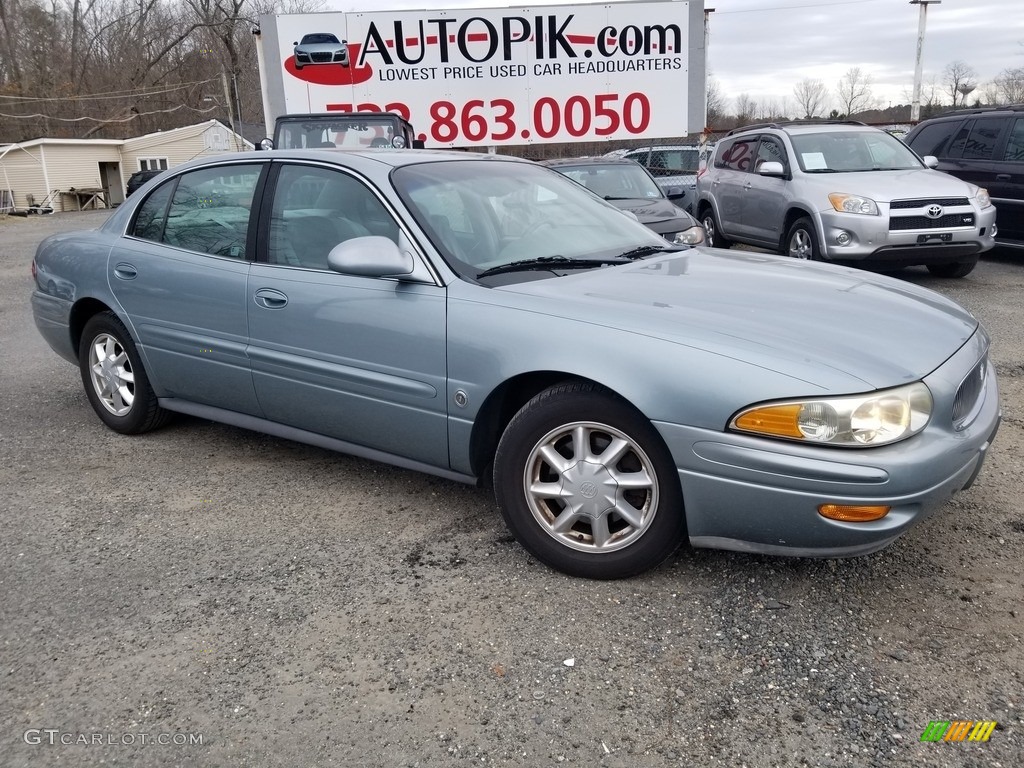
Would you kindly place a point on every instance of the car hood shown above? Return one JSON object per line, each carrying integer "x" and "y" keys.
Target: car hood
{"x": 885, "y": 186}
{"x": 836, "y": 328}
{"x": 651, "y": 210}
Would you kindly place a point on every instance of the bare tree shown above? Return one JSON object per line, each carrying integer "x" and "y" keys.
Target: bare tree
{"x": 746, "y": 108}
{"x": 716, "y": 102}
{"x": 811, "y": 97}
{"x": 959, "y": 80}
{"x": 113, "y": 68}
{"x": 1010, "y": 86}
{"x": 853, "y": 92}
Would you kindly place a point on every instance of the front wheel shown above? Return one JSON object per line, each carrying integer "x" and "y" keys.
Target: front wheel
{"x": 114, "y": 379}
{"x": 585, "y": 484}
{"x": 955, "y": 269}
{"x": 801, "y": 241}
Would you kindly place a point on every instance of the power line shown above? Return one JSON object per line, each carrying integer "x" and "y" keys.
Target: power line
{"x": 109, "y": 94}
{"x": 106, "y": 119}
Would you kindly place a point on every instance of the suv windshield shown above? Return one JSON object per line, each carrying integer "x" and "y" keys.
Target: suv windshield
{"x": 852, "y": 152}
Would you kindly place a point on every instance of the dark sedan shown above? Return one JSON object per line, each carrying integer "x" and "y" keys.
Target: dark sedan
{"x": 629, "y": 186}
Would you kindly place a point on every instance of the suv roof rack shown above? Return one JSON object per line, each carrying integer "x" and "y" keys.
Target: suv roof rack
{"x": 983, "y": 110}
{"x": 782, "y": 125}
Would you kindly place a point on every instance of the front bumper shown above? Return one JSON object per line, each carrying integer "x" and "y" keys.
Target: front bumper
{"x": 757, "y": 495}
{"x": 871, "y": 238}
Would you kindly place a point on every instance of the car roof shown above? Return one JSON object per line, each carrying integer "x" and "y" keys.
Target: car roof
{"x": 694, "y": 147}
{"x": 807, "y": 126}
{"x": 959, "y": 114}
{"x": 358, "y": 159}
{"x": 588, "y": 160}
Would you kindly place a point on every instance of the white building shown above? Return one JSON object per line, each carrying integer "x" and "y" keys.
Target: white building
{"x": 70, "y": 174}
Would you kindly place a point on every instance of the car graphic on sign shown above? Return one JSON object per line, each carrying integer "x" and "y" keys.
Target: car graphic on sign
{"x": 320, "y": 48}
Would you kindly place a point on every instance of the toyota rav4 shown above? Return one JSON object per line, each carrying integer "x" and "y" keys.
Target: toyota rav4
{"x": 842, "y": 192}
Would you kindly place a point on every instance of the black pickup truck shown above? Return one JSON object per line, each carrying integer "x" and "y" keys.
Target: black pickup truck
{"x": 345, "y": 130}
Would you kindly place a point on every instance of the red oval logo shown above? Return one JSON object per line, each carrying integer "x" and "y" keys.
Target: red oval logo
{"x": 331, "y": 74}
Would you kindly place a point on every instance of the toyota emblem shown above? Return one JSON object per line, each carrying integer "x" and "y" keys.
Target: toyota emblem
{"x": 934, "y": 211}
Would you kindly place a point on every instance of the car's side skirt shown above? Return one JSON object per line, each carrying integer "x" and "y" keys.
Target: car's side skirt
{"x": 257, "y": 424}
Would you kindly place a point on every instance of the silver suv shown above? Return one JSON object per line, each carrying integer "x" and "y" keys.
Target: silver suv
{"x": 842, "y": 192}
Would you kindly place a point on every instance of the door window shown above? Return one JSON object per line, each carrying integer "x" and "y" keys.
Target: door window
{"x": 981, "y": 144}
{"x": 737, "y": 155}
{"x": 316, "y": 208}
{"x": 1015, "y": 143}
{"x": 770, "y": 151}
{"x": 208, "y": 211}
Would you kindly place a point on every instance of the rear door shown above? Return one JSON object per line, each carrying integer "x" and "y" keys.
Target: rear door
{"x": 180, "y": 276}
{"x": 729, "y": 181}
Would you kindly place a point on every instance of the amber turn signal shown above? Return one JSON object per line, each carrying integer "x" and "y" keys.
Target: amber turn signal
{"x": 853, "y": 513}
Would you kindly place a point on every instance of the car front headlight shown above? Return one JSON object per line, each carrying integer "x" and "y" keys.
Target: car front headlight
{"x": 856, "y": 421}
{"x": 984, "y": 201}
{"x": 845, "y": 203}
{"x": 692, "y": 236}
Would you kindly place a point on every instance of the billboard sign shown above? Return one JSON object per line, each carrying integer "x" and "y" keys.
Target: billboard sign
{"x": 495, "y": 76}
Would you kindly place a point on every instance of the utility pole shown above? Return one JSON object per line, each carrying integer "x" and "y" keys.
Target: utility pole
{"x": 915, "y": 107}
{"x": 702, "y": 151}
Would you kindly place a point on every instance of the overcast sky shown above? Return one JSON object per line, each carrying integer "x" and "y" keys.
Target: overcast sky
{"x": 765, "y": 47}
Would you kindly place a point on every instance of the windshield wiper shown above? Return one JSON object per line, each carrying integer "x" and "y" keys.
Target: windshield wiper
{"x": 549, "y": 262}
{"x": 646, "y": 250}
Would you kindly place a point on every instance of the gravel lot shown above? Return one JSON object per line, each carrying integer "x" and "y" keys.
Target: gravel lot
{"x": 288, "y": 606}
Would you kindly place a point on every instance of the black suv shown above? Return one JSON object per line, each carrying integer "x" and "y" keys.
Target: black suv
{"x": 139, "y": 178}
{"x": 985, "y": 147}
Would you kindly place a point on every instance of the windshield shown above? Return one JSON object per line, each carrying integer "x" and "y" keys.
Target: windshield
{"x": 482, "y": 215}
{"x": 852, "y": 152}
{"x": 615, "y": 181}
{"x": 332, "y": 132}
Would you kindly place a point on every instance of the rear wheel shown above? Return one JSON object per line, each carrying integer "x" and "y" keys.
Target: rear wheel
{"x": 585, "y": 483}
{"x": 712, "y": 231}
{"x": 801, "y": 241}
{"x": 114, "y": 378}
{"x": 954, "y": 269}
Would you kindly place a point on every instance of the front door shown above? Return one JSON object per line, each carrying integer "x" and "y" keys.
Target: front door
{"x": 359, "y": 359}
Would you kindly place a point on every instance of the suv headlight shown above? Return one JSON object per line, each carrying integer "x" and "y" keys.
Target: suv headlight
{"x": 856, "y": 421}
{"x": 984, "y": 201}
{"x": 692, "y": 236}
{"x": 845, "y": 203}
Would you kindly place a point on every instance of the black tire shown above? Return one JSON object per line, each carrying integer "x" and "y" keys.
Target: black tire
{"x": 114, "y": 378}
{"x": 712, "y": 230}
{"x": 802, "y": 241}
{"x": 954, "y": 269}
{"x": 614, "y": 534}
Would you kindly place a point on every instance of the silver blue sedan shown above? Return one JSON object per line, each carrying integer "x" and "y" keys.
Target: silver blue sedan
{"x": 476, "y": 316}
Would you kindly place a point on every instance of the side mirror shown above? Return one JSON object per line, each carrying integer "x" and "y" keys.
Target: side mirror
{"x": 931, "y": 161}
{"x": 376, "y": 256}
{"x": 674, "y": 192}
{"x": 771, "y": 168}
